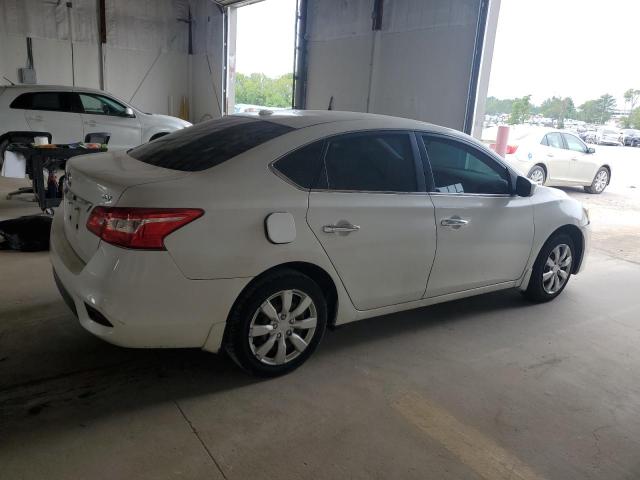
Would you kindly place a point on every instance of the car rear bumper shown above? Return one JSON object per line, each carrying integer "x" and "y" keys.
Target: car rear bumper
{"x": 136, "y": 298}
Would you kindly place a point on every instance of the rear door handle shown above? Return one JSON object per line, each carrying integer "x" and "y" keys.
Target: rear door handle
{"x": 36, "y": 118}
{"x": 454, "y": 222}
{"x": 90, "y": 123}
{"x": 341, "y": 228}
{"x": 550, "y": 155}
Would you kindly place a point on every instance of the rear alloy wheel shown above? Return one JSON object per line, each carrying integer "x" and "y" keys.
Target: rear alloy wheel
{"x": 276, "y": 324}
{"x": 600, "y": 181}
{"x": 552, "y": 269}
{"x": 537, "y": 175}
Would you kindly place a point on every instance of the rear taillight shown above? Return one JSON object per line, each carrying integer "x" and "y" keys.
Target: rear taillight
{"x": 511, "y": 149}
{"x": 143, "y": 228}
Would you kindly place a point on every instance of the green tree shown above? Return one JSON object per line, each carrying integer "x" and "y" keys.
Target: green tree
{"x": 496, "y": 106}
{"x": 598, "y": 111}
{"x": 559, "y": 109}
{"x": 631, "y": 97}
{"x": 520, "y": 110}
{"x": 634, "y": 118}
{"x": 258, "y": 89}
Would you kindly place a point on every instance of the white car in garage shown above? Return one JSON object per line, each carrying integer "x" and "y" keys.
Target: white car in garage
{"x": 559, "y": 159}
{"x": 253, "y": 233}
{"x": 71, "y": 113}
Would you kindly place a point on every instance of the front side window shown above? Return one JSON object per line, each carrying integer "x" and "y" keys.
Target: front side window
{"x": 101, "y": 105}
{"x": 371, "y": 162}
{"x": 208, "y": 144}
{"x": 554, "y": 140}
{"x": 460, "y": 168}
{"x": 575, "y": 144}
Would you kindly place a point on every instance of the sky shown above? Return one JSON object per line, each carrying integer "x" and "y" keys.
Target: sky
{"x": 565, "y": 48}
{"x": 265, "y": 37}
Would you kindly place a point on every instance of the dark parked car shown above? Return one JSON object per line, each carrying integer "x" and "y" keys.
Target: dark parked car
{"x": 630, "y": 137}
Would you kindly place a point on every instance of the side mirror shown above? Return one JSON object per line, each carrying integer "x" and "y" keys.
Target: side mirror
{"x": 591, "y": 150}
{"x": 524, "y": 187}
{"x": 128, "y": 112}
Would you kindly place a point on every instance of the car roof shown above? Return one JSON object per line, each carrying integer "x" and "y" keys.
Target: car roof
{"x": 57, "y": 88}
{"x": 306, "y": 118}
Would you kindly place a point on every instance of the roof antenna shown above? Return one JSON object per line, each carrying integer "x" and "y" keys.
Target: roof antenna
{"x": 12, "y": 84}
{"x": 330, "y": 103}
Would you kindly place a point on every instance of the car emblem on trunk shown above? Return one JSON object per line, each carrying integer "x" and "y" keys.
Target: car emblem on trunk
{"x": 107, "y": 198}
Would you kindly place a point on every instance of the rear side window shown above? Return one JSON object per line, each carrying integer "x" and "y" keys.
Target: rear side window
{"x": 49, "y": 101}
{"x": 208, "y": 144}
{"x": 555, "y": 140}
{"x": 372, "y": 162}
{"x": 302, "y": 166}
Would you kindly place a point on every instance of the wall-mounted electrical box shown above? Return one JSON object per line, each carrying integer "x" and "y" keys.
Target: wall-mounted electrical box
{"x": 27, "y": 75}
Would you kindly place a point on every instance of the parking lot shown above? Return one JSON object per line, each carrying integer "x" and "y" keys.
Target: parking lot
{"x": 487, "y": 387}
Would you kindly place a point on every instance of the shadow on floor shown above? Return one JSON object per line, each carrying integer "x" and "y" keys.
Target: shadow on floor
{"x": 109, "y": 379}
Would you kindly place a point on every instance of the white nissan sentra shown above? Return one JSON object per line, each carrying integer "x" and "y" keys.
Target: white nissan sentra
{"x": 254, "y": 233}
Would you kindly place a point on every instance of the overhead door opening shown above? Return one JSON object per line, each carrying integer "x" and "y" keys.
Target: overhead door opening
{"x": 261, "y": 56}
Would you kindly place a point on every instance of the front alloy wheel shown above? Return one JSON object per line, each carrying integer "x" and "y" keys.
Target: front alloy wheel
{"x": 600, "y": 182}
{"x": 557, "y": 269}
{"x": 552, "y": 269}
{"x": 537, "y": 175}
{"x": 276, "y": 323}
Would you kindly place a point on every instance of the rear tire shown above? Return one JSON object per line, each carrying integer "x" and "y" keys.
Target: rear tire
{"x": 600, "y": 181}
{"x": 557, "y": 255}
{"x": 271, "y": 329}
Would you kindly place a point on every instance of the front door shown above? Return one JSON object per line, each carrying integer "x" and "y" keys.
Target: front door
{"x": 373, "y": 219}
{"x": 583, "y": 164}
{"x": 102, "y": 114}
{"x": 485, "y": 234}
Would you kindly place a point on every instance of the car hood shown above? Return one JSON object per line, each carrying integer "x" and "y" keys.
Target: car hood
{"x": 164, "y": 121}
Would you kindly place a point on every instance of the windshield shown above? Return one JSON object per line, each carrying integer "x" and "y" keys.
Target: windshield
{"x": 208, "y": 144}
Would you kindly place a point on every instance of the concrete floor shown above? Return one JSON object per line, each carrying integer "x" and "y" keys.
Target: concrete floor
{"x": 488, "y": 387}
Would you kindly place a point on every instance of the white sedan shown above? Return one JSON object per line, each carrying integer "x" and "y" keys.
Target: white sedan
{"x": 253, "y": 233}
{"x": 559, "y": 159}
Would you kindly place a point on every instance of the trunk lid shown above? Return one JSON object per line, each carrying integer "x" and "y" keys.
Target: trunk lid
{"x": 101, "y": 179}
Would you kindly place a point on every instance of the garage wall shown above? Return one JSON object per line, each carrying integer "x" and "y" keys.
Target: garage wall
{"x": 418, "y": 65}
{"x": 146, "y": 57}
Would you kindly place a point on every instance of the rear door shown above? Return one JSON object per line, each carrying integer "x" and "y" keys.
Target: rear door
{"x": 484, "y": 233}
{"x": 102, "y": 114}
{"x": 557, "y": 157}
{"x": 583, "y": 164}
{"x": 373, "y": 218}
{"x": 52, "y": 112}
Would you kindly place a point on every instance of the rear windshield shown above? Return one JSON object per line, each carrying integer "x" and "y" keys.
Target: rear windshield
{"x": 208, "y": 144}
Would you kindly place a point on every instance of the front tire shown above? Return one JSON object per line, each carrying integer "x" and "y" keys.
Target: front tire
{"x": 552, "y": 269}
{"x": 276, "y": 324}
{"x": 600, "y": 181}
{"x": 537, "y": 175}
{"x": 3, "y": 148}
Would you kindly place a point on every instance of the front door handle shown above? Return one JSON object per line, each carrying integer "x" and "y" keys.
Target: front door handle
{"x": 550, "y": 155}
{"x": 454, "y": 222}
{"x": 341, "y": 228}
{"x": 35, "y": 118}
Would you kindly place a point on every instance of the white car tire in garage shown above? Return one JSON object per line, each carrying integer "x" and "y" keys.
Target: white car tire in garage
{"x": 537, "y": 175}
{"x": 276, "y": 323}
{"x": 600, "y": 181}
{"x": 552, "y": 269}
{"x": 3, "y": 148}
